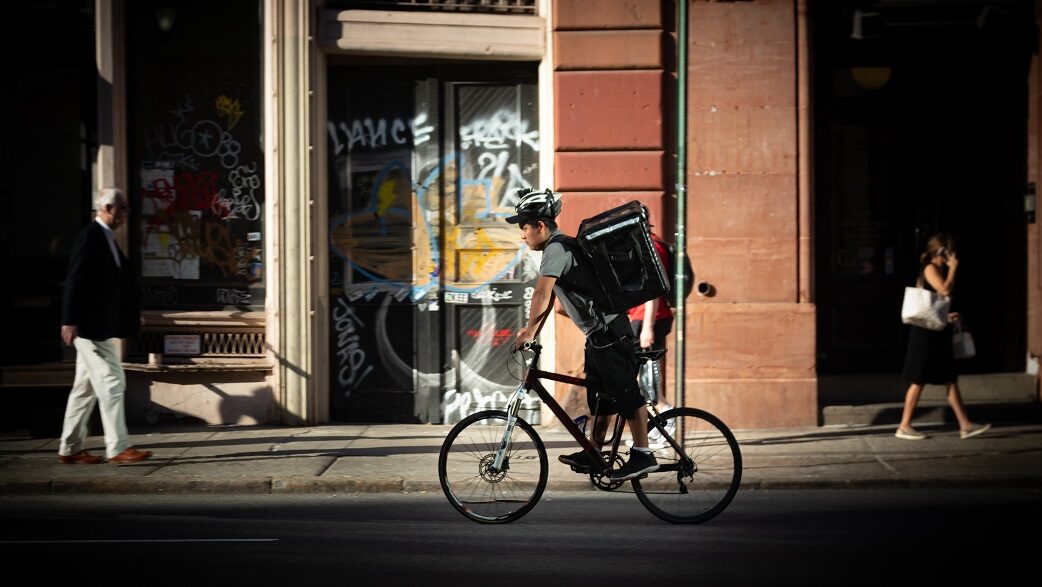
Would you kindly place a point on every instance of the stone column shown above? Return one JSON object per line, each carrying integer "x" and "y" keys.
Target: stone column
{"x": 110, "y": 169}
{"x": 288, "y": 144}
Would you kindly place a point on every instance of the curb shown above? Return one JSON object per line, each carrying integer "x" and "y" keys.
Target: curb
{"x": 311, "y": 485}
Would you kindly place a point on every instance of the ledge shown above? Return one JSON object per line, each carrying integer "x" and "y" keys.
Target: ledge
{"x": 157, "y": 320}
{"x": 197, "y": 367}
{"x": 419, "y": 34}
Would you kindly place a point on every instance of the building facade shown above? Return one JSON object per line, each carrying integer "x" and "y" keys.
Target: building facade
{"x": 319, "y": 187}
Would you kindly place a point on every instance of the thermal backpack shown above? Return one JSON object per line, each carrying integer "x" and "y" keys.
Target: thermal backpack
{"x": 619, "y": 245}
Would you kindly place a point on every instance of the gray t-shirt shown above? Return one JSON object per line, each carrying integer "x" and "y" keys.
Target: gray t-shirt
{"x": 558, "y": 261}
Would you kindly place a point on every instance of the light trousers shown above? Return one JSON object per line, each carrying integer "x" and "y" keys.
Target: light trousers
{"x": 99, "y": 379}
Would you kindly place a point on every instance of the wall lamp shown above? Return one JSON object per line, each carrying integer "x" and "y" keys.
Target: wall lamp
{"x": 165, "y": 17}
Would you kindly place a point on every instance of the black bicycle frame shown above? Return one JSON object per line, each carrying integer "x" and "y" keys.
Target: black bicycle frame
{"x": 531, "y": 382}
{"x": 532, "y": 376}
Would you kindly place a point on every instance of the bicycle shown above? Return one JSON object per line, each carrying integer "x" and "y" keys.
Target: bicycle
{"x": 493, "y": 467}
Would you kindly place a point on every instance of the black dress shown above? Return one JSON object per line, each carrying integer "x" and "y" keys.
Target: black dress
{"x": 928, "y": 358}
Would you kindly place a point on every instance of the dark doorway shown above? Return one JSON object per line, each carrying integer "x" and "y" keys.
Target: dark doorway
{"x": 920, "y": 126}
{"x": 49, "y": 145}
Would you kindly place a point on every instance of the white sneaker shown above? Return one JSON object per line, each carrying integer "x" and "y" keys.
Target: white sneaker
{"x": 970, "y": 432}
{"x": 910, "y": 434}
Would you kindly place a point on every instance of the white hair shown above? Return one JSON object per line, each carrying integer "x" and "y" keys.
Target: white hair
{"x": 108, "y": 196}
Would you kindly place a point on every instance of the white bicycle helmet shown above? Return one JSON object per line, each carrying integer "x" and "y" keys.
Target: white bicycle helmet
{"x": 533, "y": 204}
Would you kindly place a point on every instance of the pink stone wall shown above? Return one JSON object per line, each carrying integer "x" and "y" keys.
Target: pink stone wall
{"x": 750, "y": 349}
{"x": 611, "y": 125}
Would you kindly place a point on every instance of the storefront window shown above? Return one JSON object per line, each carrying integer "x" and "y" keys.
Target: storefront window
{"x": 196, "y": 169}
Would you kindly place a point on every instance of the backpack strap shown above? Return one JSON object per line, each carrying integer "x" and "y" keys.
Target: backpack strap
{"x": 573, "y": 247}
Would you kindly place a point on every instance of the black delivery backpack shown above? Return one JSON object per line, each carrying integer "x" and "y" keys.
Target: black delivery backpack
{"x": 619, "y": 244}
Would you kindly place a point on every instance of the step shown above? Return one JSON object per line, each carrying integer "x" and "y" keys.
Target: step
{"x": 930, "y": 412}
{"x": 874, "y": 399}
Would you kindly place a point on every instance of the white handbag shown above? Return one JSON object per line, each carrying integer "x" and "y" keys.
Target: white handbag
{"x": 924, "y": 308}
{"x": 963, "y": 346}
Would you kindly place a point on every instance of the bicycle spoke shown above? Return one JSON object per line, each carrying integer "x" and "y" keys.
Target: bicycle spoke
{"x": 696, "y": 490}
{"x": 471, "y": 484}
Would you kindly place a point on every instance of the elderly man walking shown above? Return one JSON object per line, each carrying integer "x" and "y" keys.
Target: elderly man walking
{"x": 99, "y": 306}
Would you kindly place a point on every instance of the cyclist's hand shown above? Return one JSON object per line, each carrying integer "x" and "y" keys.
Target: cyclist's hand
{"x": 646, "y": 339}
{"x": 522, "y": 338}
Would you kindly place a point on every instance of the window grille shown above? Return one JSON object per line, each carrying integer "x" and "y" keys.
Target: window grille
{"x": 212, "y": 344}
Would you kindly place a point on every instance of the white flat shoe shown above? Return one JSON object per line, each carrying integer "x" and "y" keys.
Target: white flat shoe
{"x": 974, "y": 430}
{"x": 910, "y": 434}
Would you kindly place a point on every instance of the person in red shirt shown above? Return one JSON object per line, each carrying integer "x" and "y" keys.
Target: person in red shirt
{"x": 652, "y": 335}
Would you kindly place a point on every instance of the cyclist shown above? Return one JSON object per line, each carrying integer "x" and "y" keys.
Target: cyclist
{"x": 611, "y": 362}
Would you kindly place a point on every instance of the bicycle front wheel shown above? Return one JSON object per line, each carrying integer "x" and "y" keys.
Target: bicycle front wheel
{"x": 694, "y": 489}
{"x": 471, "y": 483}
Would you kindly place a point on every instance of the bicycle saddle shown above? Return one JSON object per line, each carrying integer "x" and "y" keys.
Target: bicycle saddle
{"x": 652, "y": 355}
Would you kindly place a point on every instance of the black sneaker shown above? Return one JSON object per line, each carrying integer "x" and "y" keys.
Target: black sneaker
{"x": 640, "y": 462}
{"x": 580, "y": 461}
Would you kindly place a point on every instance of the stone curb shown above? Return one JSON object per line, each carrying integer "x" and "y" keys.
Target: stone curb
{"x": 305, "y": 484}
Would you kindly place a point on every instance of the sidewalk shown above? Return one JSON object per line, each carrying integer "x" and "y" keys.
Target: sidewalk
{"x": 403, "y": 458}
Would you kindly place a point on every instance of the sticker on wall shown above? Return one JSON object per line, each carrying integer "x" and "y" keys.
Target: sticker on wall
{"x": 182, "y": 344}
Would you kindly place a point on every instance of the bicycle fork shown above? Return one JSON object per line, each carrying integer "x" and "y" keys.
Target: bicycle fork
{"x": 513, "y": 408}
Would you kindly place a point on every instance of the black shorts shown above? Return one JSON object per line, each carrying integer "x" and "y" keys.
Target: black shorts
{"x": 611, "y": 371}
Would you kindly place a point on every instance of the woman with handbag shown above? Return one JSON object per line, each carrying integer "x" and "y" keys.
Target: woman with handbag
{"x": 928, "y": 359}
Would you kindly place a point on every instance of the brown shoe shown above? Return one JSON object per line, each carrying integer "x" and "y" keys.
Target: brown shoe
{"x": 131, "y": 455}
{"x": 81, "y": 458}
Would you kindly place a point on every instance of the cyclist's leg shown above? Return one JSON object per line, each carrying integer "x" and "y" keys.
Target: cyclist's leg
{"x": 638, "y": 424}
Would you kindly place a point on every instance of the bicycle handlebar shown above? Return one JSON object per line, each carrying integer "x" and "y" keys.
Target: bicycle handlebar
{"x": 528, "y": 346}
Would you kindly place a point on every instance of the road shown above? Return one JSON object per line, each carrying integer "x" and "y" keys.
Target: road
{"x": 856, "y": 537}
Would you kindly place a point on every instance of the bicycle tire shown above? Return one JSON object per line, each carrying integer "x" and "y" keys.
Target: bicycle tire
{"x": 486, "y": 496}
{"x": 697, "y": 493}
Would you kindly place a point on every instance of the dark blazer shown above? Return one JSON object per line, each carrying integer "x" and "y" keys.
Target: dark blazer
{"x": 100, "y": 298}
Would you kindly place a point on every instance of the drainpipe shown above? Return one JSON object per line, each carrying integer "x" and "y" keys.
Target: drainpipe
{"x": 681, "y": 187}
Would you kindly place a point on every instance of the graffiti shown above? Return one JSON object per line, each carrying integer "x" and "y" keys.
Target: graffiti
{"x": 497, "y": 165}
{"x": 232, "y": 297}
{"x": 187, "y": 216}
{"x": 501, "y": 130}
{"x": 492, "y": 294}
{"x": 492, "y": 336}
{"x": 242, "y": 203}
{"x": 230, "y": 108}
{"x": 424, "y": 229}
{"x": 352, "y": 367}
{"x": 202, "y": 138}
{"x": 372, "y": 134}
{"x": 457, "y": 404}
{"x": 194, "y": 191}
{"x": 159, "y": 295}
{"x": 368, "y": 291}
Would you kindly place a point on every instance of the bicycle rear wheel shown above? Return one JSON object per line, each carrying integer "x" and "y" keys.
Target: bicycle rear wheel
{"x": 468, "y": 479}
{"x": 697, "y": 489}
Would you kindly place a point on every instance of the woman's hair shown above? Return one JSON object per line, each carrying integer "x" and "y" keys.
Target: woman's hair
{"x": 941, "y": 240}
